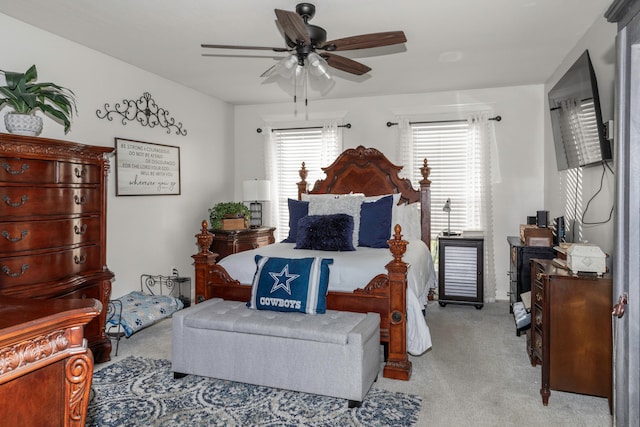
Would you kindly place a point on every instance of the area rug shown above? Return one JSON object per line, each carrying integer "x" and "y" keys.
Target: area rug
{"x": 142, "y": 392}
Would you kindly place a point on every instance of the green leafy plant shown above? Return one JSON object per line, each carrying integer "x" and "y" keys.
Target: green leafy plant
{"x": 25, "y": 96}
{"x": 227, "y": 210}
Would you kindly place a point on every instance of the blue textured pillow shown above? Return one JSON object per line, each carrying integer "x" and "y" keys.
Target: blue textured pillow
{"x": 290, "y": 284}
{"x": 375, "y": 223}
{"x": 326, "y": 233}
{"x": 297, "y": 210}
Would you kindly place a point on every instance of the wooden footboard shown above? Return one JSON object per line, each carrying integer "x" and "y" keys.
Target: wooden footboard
{"x": 385, "y": 294}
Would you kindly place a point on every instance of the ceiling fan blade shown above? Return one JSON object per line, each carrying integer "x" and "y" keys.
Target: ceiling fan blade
{"x": 345, "y": 64}
{"x": 226, "y": 46}
{"x": 366, "y": 41}
{"x": 293, "y": 26}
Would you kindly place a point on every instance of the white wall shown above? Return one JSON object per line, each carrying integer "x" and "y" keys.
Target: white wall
{"x": 519, "y": 136}
{"x": 146, "y": 234}
{"x": 600, "y": 41}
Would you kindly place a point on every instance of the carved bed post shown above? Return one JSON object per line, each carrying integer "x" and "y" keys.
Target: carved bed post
{"x": 302, "y": 185}
{"x": 425, "y": 204}
{"x": 203, "y": 260}
{"x": 398, "y": 365}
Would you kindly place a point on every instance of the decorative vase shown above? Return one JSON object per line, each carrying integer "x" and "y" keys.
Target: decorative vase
{"x": 23, "y": 124}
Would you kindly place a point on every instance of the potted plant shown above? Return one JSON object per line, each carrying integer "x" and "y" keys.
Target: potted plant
{"x": 26, "y": 97}
{"x": 229, "y": 210}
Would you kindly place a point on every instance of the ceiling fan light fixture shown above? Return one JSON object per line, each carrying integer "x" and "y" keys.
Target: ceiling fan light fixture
{"x": 318, "y": 66}
{"x": 287, "y": 66}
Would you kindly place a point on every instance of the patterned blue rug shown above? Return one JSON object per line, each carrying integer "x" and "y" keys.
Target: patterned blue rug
{"x": 142, "y": 392}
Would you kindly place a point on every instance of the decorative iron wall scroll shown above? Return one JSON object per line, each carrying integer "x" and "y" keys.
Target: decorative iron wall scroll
{"x": 145, "y": 111}
{"x": 145, "y": 169}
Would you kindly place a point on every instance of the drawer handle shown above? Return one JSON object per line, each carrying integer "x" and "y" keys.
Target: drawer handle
{"x": 7, "y": 236}
{"x": 80, "y": 230}
{"x": 80, "y": 200}
{"x": 6, "y": 270}
{"x": 22, "y": 170}
{"x": 80, "y": 173}
{"x": 22, "y": 201}
{"x": 80, "y": 259}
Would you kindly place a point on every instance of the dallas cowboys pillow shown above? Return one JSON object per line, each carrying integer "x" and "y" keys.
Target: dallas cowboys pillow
{"x": 290, "y": 284}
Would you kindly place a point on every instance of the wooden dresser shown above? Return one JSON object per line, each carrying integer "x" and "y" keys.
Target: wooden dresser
{"x": 227, "y": 242}
{"x": 45, "y": 367}
{"x": 570, "y": 334}
{"x": 53, "y": 198}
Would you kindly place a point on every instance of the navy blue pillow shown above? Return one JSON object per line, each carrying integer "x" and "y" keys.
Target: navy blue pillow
{"x": 375, "y": 223}
{"x": 297, "y": 210}
{"x": 290, "y": 284}
{"x": 326, "y": 233}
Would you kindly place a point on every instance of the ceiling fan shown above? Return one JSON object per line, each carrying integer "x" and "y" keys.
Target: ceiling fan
{"x": 306, "y": 43}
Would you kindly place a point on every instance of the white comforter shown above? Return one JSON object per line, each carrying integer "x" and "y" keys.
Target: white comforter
{"x": 352, "y": 270}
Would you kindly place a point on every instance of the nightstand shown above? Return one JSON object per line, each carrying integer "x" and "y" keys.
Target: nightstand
{"x": 461, "y": 270}
{"x": 227, "y": 242}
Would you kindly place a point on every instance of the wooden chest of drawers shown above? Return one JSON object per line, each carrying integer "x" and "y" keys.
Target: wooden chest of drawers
{"x": 53, "y": 225}
{"x": 570, "y": 333}
{"x": 227, "y": 242}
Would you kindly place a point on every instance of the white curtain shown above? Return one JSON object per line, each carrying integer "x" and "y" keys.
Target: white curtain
{"x": 331, "y": 143}
{"x": 270, "y": 165}
{"x": 405, "y": 148}
{"x": 481, "y": 144}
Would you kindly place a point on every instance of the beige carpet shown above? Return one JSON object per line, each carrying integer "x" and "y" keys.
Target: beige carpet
{"x": 477, "y": 373}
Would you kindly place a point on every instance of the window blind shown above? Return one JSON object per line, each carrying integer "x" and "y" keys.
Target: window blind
{"x": 316, "y": 148}
{"x": 450, "y": 156}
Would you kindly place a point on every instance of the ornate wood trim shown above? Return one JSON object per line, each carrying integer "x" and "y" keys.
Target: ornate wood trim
{"x": 78, "y": 376}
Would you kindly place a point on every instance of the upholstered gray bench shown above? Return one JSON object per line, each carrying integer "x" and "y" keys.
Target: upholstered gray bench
{"x": 334, "y": 354}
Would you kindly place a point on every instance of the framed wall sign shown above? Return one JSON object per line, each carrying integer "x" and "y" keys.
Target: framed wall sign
{"x": 146, "y": 169}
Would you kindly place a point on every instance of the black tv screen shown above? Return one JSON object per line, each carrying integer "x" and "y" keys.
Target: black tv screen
{"x": 576, "y": 118}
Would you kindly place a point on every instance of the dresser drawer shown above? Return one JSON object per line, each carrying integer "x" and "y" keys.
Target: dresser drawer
{"x": 27, "y": 171}
{"x": 20, "y": 271}
{"x": 536, "y": 344}
{"x": 27, "y": 201}
{"x": 19, "y": 236}
{"x": 78, "y": 173}
{"x": 245, "y": 244}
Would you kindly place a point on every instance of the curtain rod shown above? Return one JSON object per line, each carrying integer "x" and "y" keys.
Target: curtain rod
{"x": 348, "y": 126}
{"x": 389, "y": 124}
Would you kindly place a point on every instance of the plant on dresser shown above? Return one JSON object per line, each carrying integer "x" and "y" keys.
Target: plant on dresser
{"x": 53, "y": 225}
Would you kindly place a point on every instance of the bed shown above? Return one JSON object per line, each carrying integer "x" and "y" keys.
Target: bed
{"x": 396, "y": 283}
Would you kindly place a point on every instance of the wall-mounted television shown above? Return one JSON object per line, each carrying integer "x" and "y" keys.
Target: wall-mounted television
{"x": 576, "y": 119}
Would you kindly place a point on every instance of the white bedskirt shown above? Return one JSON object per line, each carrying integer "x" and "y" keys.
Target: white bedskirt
{"x": 354, "y": 269}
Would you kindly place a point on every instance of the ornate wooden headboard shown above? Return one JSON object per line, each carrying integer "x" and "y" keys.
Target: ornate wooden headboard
{"x": 368, "y": 171}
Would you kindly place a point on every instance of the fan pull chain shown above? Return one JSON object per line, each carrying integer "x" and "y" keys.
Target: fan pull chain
{"x": 306, "y": 100}
{"x": 295, "y": 94}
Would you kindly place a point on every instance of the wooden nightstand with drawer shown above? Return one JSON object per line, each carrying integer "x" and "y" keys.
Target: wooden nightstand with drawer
{"x": 227, "y": 242}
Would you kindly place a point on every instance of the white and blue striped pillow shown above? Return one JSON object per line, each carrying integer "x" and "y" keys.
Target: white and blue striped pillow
{"x": 290, "y": 284}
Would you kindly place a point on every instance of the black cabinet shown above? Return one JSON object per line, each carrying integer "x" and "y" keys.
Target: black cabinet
{"x": 520, "y": 267}
{"x": 461, "y": 271}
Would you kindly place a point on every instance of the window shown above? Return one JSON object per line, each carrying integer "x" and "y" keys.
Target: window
{"x": 453, "y": 171}
{"x": 460, "y": 154}
{"x": 316, "y": 147}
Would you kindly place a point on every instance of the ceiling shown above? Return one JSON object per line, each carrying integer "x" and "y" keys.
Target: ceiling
{"x": 451, "y": 44}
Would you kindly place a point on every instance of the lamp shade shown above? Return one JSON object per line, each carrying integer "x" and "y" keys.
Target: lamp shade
{"x": 256, "y": 190}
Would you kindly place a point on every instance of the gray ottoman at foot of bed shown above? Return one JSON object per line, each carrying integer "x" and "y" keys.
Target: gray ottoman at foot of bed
{"x": 334, "y": 354}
